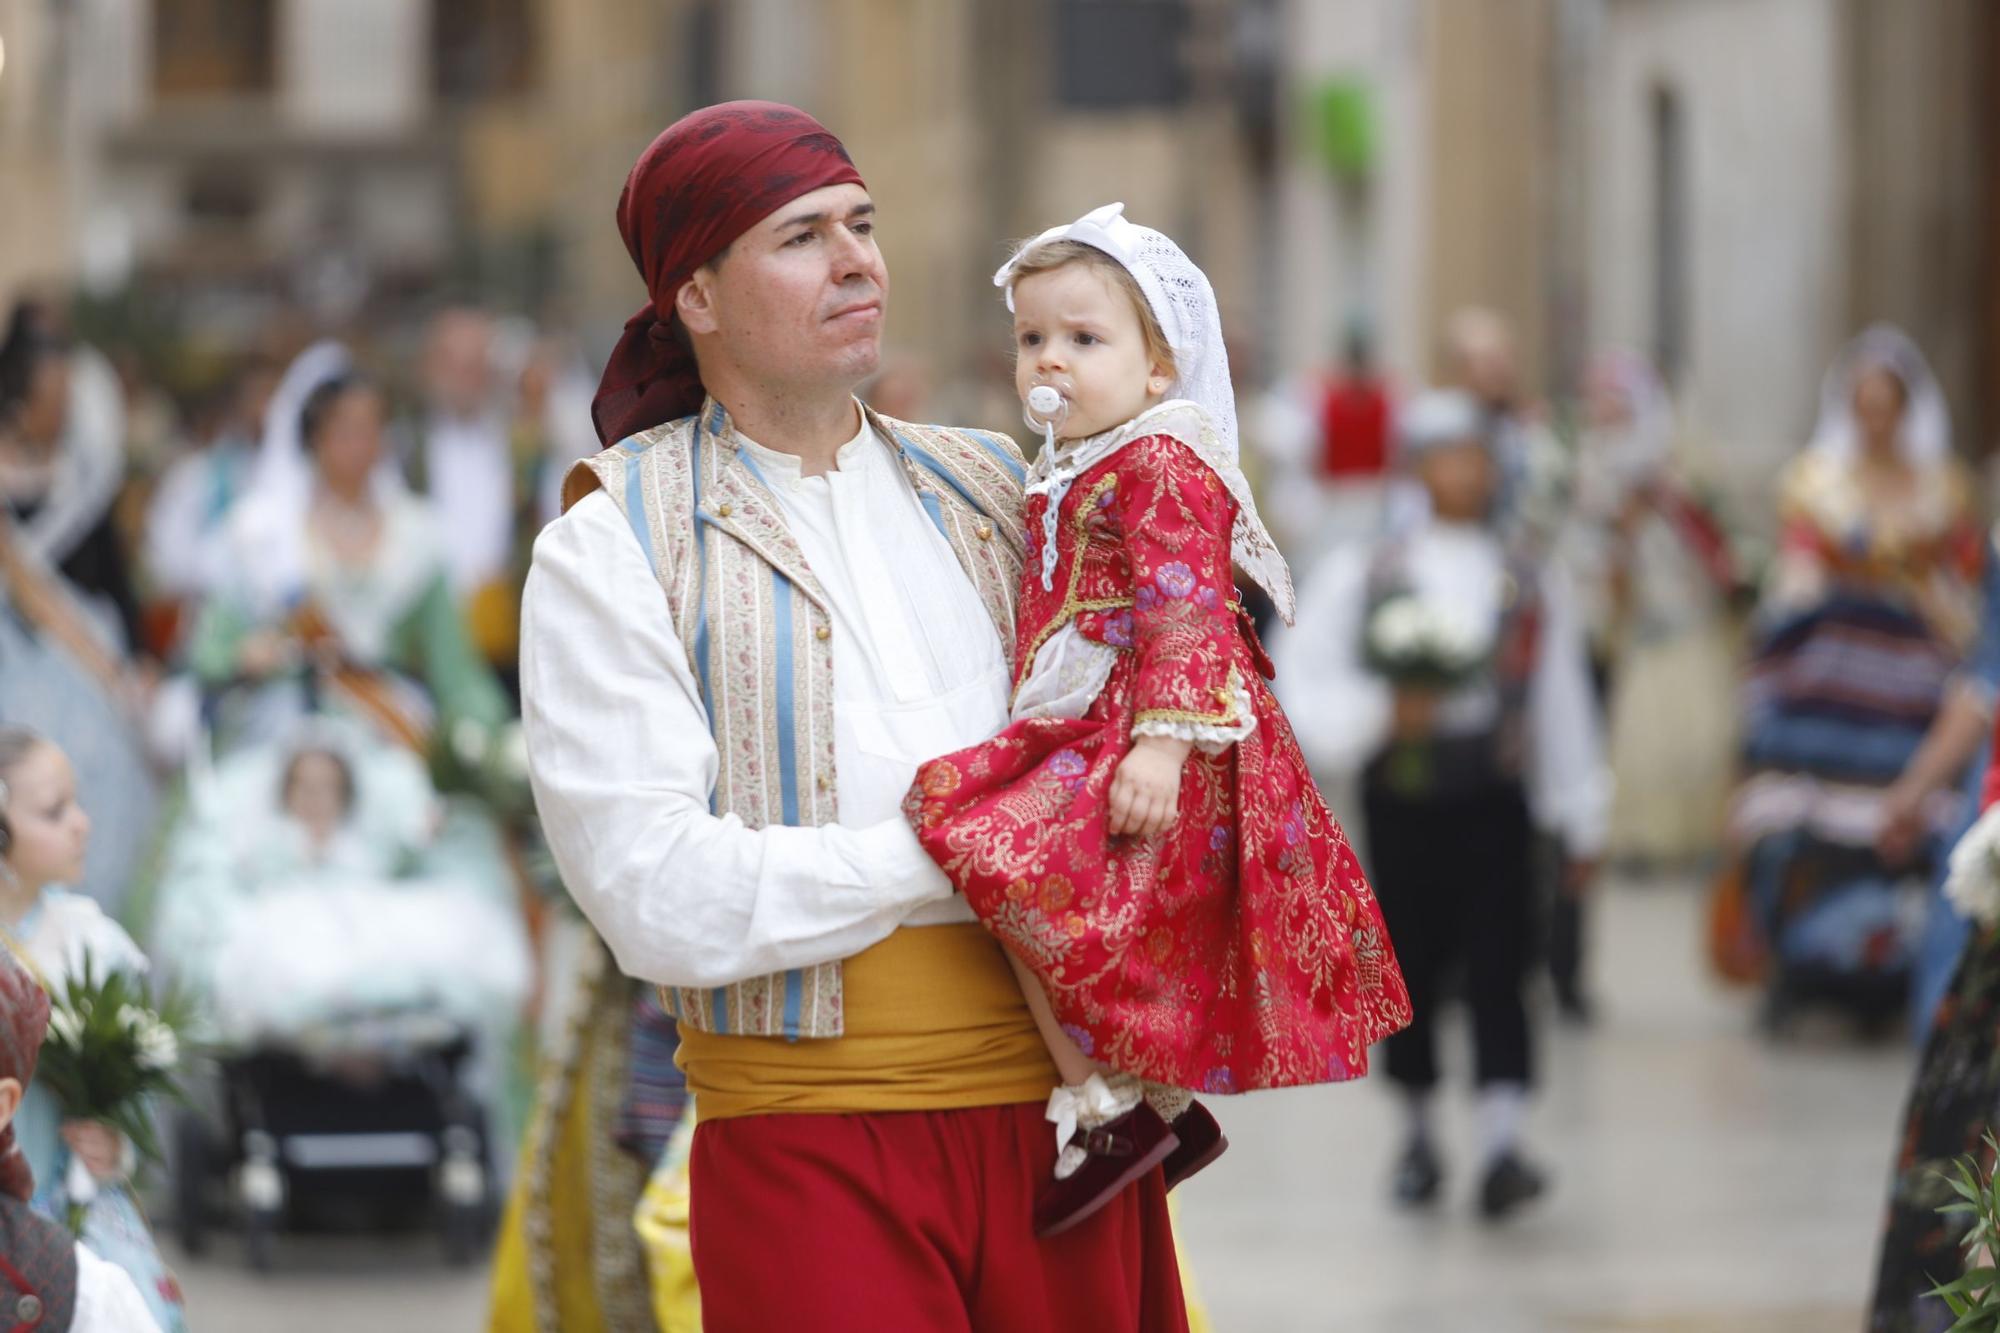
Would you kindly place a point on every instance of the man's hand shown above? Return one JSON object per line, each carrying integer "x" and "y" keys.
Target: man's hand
{"x": 1146, "y": 792}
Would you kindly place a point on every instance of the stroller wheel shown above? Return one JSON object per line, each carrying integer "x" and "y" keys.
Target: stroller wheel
{"x": 261, "y": 1186}
{"x": 260, "y": 1231}
{"x": 191, "y": 1168}
{"x": 464, "y": 1191}
{"x": 464, "y": 1227}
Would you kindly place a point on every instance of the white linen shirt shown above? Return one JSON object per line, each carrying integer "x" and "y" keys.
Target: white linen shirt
{"x": 623, "y": 760}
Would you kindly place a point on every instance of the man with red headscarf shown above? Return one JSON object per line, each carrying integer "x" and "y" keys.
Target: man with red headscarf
{"x": 764, "y": 606}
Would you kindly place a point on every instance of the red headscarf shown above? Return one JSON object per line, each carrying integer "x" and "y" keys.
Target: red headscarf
{"x": 708, "y": 178}
{"x": 24, "y": 1017}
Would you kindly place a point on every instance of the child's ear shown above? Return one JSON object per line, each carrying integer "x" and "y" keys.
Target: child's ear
{"x": 1158, "y": 380}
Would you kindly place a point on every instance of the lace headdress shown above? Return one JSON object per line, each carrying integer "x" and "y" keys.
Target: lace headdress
{"x": 1184, "y": 304}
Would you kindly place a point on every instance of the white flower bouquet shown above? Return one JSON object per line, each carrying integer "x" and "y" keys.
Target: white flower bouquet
{"x": 106, "y": 1055}
{"x": 1415, "y": 644}
{"x": 1972, "y": 882}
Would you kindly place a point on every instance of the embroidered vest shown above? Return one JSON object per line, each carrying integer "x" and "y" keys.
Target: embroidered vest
{"x": 37, "y": 1270}
{"x": 756, "y": 627}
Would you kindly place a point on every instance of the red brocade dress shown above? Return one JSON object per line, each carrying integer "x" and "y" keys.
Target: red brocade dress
{"x": 1243, "y": 948}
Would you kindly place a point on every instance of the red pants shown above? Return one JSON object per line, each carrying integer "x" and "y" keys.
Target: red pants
{"x": 915, "y": 1221}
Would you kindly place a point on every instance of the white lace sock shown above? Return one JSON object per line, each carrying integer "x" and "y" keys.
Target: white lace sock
{"x": 1168, "y": 1100}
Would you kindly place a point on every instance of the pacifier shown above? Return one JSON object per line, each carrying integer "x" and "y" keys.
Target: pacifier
{"x": 1045, "y": 409}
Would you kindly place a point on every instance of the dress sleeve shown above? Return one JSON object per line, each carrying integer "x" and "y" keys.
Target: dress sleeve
{"x": 457, "y": 675}
{"x": 1340, "y": 710}
{"x": 107, "y": 1299}
{"x": 1569, "y": 782}
{"x": 1176, "y": 516}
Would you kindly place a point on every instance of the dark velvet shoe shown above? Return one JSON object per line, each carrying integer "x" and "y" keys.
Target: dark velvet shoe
{"x": 1419, "y": 1176}
{"x": 1510, "y": 1185}
{"x": 1202, "y": 1141}
{"x": 1120, "y": 1152}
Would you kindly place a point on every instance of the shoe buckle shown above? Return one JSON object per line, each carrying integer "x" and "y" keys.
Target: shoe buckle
{"x": 1107, "y": 1143}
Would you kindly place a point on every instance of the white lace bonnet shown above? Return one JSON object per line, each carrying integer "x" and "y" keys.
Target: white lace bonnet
{"x": 1184, "y": 304}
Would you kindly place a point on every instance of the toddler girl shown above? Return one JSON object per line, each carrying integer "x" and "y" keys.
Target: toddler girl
{"x": 1144, "y": 837}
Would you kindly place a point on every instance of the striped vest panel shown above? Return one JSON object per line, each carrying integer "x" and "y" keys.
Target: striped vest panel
{"x": 757, "y": 631}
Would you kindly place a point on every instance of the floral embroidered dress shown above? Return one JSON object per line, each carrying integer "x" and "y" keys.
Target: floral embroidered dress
{"x": 1243, "y": 949}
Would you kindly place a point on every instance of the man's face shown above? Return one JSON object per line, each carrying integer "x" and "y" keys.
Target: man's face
{"x": 458, "y": 365}
{"x": 799, "y": 298}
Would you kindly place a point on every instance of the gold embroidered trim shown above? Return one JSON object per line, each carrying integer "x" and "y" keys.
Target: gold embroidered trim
{"x": 1228, "y": 689}
{"x": 1071, "y": 603}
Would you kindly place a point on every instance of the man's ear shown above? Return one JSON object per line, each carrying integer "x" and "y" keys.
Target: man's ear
{"x": 10, "y": 1099}
{"x": 695, "y": 302}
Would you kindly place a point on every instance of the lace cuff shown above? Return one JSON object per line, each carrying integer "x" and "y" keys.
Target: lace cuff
{"x": 1210, "y": 733}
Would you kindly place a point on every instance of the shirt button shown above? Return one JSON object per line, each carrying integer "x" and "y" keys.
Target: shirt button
{"x": 724, "y": 510}
{"x": 986, "y": 532}
{"x": 28, "y": 1309}
{"x": 822, "y": 633}
{"x": 821, "y": 781}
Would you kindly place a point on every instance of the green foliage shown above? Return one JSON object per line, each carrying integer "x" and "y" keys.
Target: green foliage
{"x": 1975, "y": 1297}
{"x": 108, "y": 1052}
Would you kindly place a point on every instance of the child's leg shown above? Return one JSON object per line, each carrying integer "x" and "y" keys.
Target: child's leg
{"x": 1071, "y": 1063}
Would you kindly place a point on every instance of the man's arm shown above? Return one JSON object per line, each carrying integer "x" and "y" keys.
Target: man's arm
{"x": 623, "y": 762}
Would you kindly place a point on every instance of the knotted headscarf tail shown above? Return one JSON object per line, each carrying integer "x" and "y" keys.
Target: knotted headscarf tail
{"x": 24, "y": 1017}
{"x": 708, "y": 178}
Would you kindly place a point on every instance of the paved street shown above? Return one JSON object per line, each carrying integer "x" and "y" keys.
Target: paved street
{"x": 1706, "y": 1182}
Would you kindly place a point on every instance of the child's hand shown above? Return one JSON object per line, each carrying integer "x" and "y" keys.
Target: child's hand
{"x": 1415, "y": 714}
{"x": 100, "y": 1147}
{"x": 1146, "y": 792}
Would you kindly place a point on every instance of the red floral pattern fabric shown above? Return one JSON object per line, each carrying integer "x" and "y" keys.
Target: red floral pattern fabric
{"x": 1244, "y": 948}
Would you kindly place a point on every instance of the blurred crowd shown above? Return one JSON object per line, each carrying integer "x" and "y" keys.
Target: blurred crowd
{"x": 267, "y": 604}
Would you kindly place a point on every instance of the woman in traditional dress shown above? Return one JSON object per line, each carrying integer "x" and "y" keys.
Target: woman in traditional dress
{"x": 1868, "y": 612}
{"x": 338, "y": 597}
{"x": 1654, "y": 569}
{"x": 62, "y": 460}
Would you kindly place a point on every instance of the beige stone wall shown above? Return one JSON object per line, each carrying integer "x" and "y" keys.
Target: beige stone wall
{"x": 1920, "y": 229}
{"x": 609, "y": 83}
{"x": 35, "y": 218}
{"x": 1489, "y": 171}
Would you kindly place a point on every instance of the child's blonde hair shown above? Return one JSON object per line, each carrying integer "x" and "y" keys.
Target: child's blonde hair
{"x": 1061, "y": 254}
